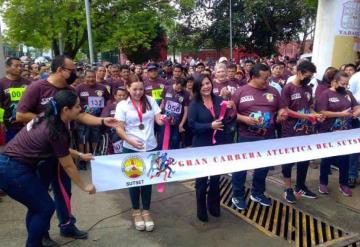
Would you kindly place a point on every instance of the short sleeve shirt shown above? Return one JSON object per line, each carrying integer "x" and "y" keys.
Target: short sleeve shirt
{"x": 33, "y": 144}
{"x": 126, "y": 112}
{"x": 37, "y": 95}
{"x": 261, "y": 104}
{"x": 92, "y": 98}
{"x": 335, "y": 102}
{"x": 10, "y": 94}
{"x": 298, "y": 99}
{"x": 174, "y": 103}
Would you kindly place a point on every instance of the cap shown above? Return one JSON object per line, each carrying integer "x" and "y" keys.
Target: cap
{"x": 222, "y": 59}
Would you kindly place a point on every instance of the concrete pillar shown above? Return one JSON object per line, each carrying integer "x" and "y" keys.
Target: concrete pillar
{"x": 337, "y": 34}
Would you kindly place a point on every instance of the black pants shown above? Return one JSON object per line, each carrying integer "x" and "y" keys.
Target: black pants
{"x": 207, "y": 199}
{"x": 301, "y": 172}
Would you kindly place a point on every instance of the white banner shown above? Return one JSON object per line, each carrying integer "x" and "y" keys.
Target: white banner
{"x": 120, "y": 171}
{"x": 348, "y": 18}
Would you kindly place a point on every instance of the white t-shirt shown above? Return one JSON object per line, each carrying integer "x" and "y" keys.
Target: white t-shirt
{"x": 354, "y": 85}
{"x": 126, "y": 112}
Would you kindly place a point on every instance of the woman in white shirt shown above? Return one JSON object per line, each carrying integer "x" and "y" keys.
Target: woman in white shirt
{"x": 137, "y": 115}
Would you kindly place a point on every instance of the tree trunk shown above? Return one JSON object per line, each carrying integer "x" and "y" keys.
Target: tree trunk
{"x": 55, "y": 47}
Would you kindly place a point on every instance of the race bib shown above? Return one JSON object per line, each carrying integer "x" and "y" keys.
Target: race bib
{"x": 2, "y": 111}
{"x": 96, "y": 102}
{"x": 118, "y": 147}
{"x": 173, "y": 107}
{"x": 156, "y": 93}
{"x": 16, "y": 93}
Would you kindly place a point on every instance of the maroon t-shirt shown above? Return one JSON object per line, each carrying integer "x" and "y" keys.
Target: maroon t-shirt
{"x": 298, "y": 99}
{"x": 92, "y": 98}
{"x": 236, "y": 82}
{"x": 10, "y": 94}
{"x": 33, "y": 144}
{"x": 37, "y": 95}
{"x": 109, "y": 110}
{"x": 174, "y": 103}
{"x": 154, "y": 88}
{"x": 336, "y": 102}
{"x": 230, "y": 85}
{"x": 115, "y": 84}
{"x": 261, "y": 104}
{"x": 320, "y": 89}
{"x": 107, "y": 85}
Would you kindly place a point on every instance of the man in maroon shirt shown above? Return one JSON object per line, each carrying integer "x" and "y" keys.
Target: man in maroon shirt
{"x": 124, "y": 74}
{"x": 93, "y": 98}
{"x": 154, "y": 84}
{"x": 12, "y": 87}
{"x": 100, "y": 77}
{"x": 297, "y": 99}
{"x": 177, "y": 73}
{"x": 258, "y": 107}
{"x": 231, "y": 72}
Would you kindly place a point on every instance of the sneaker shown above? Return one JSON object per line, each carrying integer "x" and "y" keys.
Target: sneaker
{"x": 345, "y": 190}
{"x": 305, "y": 192}
{"x": 239, "y": 203}
{"x": 262, "y": 199}
{"x": 48, "y": 242}
{"x": 352, "y": 182}
{"x": 73, "y": 232}
{"x": 289, "y": 195}
{"x": 323, "y": 189}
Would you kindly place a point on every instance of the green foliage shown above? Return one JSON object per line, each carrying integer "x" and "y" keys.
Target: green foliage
{"x": 258, "y": 25}
{"x": 130, "y": 24}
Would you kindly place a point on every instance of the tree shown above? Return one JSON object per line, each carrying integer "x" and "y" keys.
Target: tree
{"x": 129, "y": 24}
{"x": 258, "y": 25}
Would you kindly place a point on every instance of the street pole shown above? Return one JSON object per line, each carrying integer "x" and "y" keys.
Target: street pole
{"x": 231, "y": 44}
{"x": 2, "y": 58}
{"x": 88, "y": 23}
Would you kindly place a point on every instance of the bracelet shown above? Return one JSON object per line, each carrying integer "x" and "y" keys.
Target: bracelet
{"x": 102, "y": 122}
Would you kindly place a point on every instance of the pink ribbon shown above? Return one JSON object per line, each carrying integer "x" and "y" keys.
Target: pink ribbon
{"x": 223, "y": 107}
{"x": 165, "y": 146}
{"x": 64, "y": 194}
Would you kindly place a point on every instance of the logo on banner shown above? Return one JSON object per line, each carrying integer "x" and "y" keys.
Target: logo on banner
{"x": 160, "y": 165}
{"x": 133, "y": 167}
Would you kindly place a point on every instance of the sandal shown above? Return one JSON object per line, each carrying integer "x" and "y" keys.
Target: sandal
{"x": 149, "y": 223}
{"x": 138, "y": 220}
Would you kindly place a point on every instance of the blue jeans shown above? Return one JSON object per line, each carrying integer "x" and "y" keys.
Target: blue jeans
{"x": 342, "y": 162}
{"x": 48, "y": 173}
{"x": 239, "y": 178}
{"x": 21, "y": 183}
{"x": 136, "y": 192}
{"x": 354, "y": 165}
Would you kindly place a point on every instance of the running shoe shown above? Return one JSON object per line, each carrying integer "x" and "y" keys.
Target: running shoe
{"x": 289, "y": 196}
{"x": 305, "y": 192}
{"x": 345, "y": 190}
{"x": 262, "y": 199}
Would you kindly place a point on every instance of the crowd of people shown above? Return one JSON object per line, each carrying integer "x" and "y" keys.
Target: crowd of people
{"x": 52, "y": 118}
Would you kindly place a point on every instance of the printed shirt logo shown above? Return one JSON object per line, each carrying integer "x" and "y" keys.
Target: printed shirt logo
{"x": 84, "y": 94}
{"x": 99, "y": 93}
{"x": 168, "y": 95}
{"x": 295, "y": 96}
{"x": 269, "y": 97}
{"x": 348, "y": 97}
{"x": 44, "y": 101}
{"x": 308, "y": 96}
{"x": 334, "y": 100}
{"x": 133, "y": 167}
{"x": 247, "y": 98}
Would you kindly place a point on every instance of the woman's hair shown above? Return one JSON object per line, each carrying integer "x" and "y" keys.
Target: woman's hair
{"x": 134, "y": 78}
{"x": 198, "y": 79}
{"x": 220, "y": 66}
{"x": 339, "y": 75}
{"x": 329, "y": 75}
{"x": 63, "y": 98}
